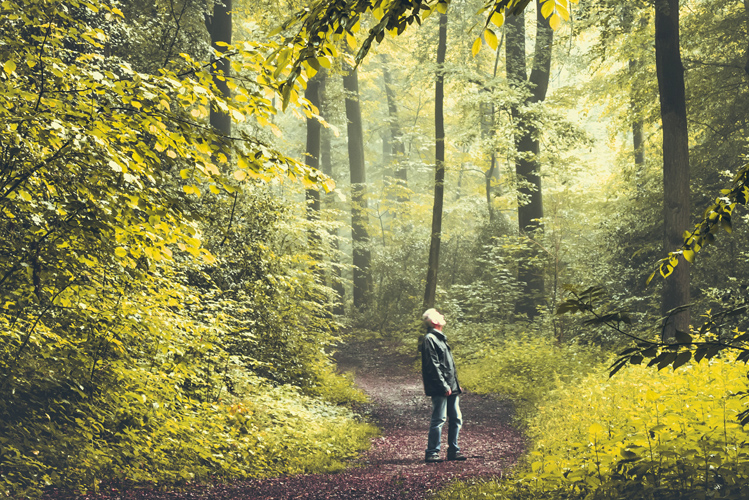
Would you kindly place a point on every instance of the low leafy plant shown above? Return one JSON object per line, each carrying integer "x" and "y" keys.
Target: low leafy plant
{"x": 523, "y": 367}
{"x": 642, "y": 434}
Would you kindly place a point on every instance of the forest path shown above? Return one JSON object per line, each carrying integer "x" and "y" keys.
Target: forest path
{"x": 394, "y": 468}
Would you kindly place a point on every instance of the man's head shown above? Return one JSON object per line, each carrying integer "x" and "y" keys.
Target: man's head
{"x": 433, "y": 318}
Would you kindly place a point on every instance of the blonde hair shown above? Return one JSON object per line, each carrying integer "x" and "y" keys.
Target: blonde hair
{"x": 432, "y": 317}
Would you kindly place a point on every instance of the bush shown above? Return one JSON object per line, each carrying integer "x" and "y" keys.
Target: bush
{"x": 642, "y": 434}
{"x": 523, "y": 367}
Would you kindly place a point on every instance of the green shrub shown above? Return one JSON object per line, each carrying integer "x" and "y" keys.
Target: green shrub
{"x": 524, "y": 368}
{"x": 642, "y": 434}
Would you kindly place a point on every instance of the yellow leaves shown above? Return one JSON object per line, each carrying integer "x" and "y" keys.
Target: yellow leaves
{"x": 556, "y": 11}
{"x": 328, "y": 185}
{"x": 498, "y": 19}
{"x": 9, "y": 67}
{"x": 351, "y": 40}
{"x": 199, "y": 112}
{"x": 25, "y": 196}
{"x": 595, "y": 429}
{"x": 491, "y": 39}
{"x": 548, "y": 8}
{"x": 240, "y": 175}
{"x": 689, "y": 256}
{"x": 237, "y": 115}
{"x": 476, "y": 46}
{"x": 442, "y": 7}
{"x": 120, "y": 252}
{"x": 207, "y": 257}
{"x": 554, "y": 22}
{"x": 191, "y": 190}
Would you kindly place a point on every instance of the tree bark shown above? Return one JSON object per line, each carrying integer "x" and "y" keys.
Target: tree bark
{"x": 219, "y": 26}
{"x": 527, "y": 167}
{"x": 746, "y": 10}
{"x": 492, "y": 174}
{"x": 439, "y": 170}
{"x": 326, "y": 165}
{"x": 638, "y": 142}
{"x": 397, "y": 149}
{"x": 357, "y": 172}
{"x": 676, "y": 203}
{"x": 312, "y": 159}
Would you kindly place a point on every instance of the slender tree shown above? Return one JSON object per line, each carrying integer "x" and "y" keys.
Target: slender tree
{"x": 358, "y": 176}
{"x": 439, "y": 170}
{"x": 312, "y": 159}
{"x": 326, "y": 165}
{"x": 219, "y": 27}
{"x": 676, "y": 203}
{"x": 397, "y": 149}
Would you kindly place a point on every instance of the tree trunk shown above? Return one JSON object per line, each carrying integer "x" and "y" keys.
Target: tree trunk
{"x": 746, "y": 10}
{"x": 439, "y": 170}
{"x": 326, "y": 165}
{"x": 397, "y": 149}
{"x": 638, "y": 142}
{"x": 676, "y": 203}
{"x": 219, "y": 26}
{"x": 359, "y": 217}
{"x": 491, "y": 174}
{"x": 527, "y": 167}
{"x": 312, "y": 159}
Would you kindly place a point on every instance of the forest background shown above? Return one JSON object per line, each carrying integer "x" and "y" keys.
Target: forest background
{"x": 196, "y": 211}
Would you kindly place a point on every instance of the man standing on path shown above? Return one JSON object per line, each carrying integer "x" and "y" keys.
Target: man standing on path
{"x": 441, "y": 383}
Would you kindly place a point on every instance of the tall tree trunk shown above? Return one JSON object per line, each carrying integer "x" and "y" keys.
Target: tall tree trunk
{"x": 491, "y": 174}
{"x": 746, "y": 11}
{"x": 397, "y": 149}
{"x": 326, "y": 165}
{"x": 676, "y": 203}
{"x": 358, "y": 176}
{"x": 527, "y": 167}
{"x": 638, "y": 142}
{"x": 312, "y": 159}
{"x": 219, "y": 26}
{"x": 326, "y": 162}
{"x": 439, "y": 170}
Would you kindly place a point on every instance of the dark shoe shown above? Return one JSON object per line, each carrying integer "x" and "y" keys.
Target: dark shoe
{"x": 432, "y": 458}
{"x": 456, "y": 456}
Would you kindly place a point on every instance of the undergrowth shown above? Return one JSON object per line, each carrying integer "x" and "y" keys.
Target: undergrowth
{"x": 642, "y": 434}
{"x": 269, "y": 431}
{"x": 524, "y": 368}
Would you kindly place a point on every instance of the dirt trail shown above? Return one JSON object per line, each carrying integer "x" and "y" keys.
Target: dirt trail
{"x": 394, "y": 467}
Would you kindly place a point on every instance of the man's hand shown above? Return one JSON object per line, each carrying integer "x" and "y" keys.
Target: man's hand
{"x": 449, "y": 391}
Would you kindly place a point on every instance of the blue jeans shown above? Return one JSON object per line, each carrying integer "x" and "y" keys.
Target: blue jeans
{"x": 444, "y": 407}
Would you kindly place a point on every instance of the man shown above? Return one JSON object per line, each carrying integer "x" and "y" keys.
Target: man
{"x": 441, "y": 383}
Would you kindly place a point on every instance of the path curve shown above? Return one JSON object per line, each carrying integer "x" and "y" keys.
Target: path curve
{"x": 393, "y": 468}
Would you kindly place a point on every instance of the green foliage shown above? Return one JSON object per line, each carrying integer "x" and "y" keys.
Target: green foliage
{"x": 526, "y": 368}
{"x": 643, "y": 434}
{"x": 151, "y": 325}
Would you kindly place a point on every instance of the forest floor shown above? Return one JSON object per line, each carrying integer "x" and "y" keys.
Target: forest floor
{"x": 394, "y": 467}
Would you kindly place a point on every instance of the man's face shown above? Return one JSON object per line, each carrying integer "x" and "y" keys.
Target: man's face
{"x": 438, "y": 320}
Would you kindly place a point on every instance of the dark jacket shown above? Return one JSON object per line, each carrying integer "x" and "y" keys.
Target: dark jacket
{"x": 437, "y": 365}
